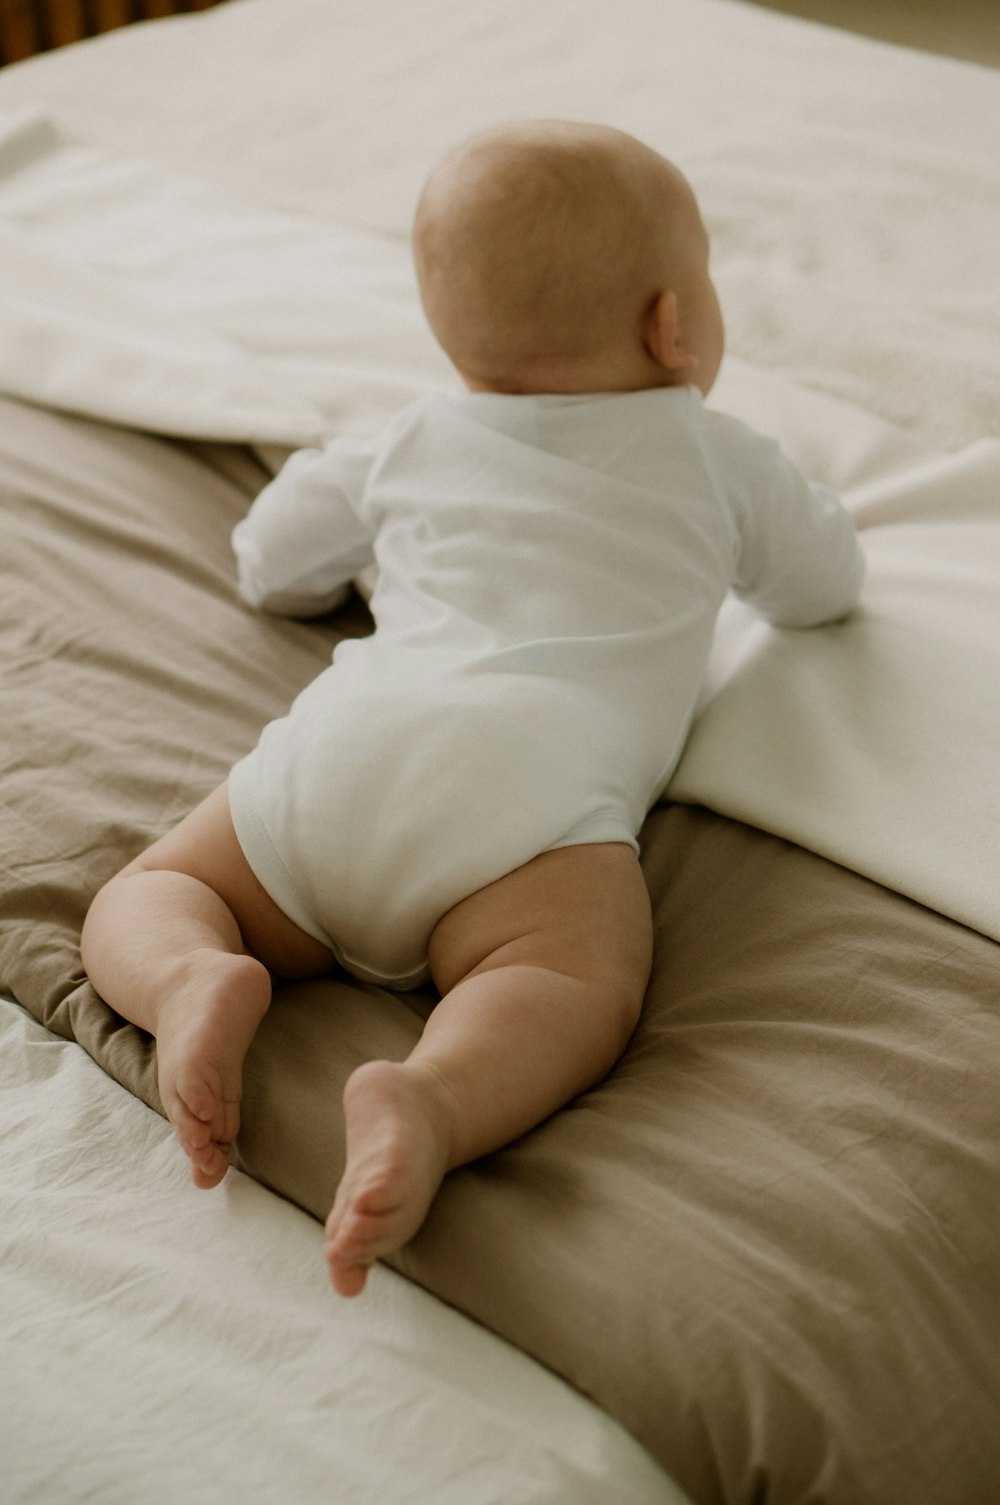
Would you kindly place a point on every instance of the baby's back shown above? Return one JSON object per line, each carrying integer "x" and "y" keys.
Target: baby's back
{"x": 574, "y": 541}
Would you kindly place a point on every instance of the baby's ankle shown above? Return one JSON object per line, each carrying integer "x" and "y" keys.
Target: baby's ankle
{"x": 208, "y": 975}
{"x": 443, "y": 1106}
{"x": 405, "y": 1084}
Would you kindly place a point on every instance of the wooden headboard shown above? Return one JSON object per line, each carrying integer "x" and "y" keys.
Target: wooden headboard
{"x": 30, "y": 26}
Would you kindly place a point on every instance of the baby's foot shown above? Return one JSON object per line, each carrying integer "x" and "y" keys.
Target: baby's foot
{"x": 203, "y": 1033}
{"x": 397, "y": 1155}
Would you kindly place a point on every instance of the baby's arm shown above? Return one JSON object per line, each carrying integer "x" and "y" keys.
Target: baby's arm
{"x": 799, "y": 562}
{"x": 303, "y": 541}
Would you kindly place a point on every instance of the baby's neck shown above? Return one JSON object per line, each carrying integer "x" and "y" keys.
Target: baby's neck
{"x": 574, "y": 376}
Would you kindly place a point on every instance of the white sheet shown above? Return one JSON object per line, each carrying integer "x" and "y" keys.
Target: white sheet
{"x": 157, "y": 1343}
{"x": 145, "y": 298}
{"x": 135, "y": 295}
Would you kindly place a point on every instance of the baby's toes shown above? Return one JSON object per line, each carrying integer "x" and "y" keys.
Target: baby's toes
{"x": 212, "y": 1105}
{"x": 226, "y": 1126}
{"x": 209, "y": 1166}
{"x": 194, "y": 1134}
{"x": 199, "y": 1102}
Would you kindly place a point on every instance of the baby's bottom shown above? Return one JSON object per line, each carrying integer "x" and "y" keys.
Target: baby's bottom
{"x": 541, "y": 973}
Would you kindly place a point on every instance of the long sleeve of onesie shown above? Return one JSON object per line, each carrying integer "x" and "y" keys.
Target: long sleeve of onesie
{"x": 799, "y": 562}
{"x": 303, "y": 541}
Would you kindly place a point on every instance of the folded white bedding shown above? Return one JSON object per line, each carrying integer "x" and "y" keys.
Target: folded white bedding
{"x": 198, "y": 1355}
{"x": 146, "y": 299}
{"x": 875, "y": 742}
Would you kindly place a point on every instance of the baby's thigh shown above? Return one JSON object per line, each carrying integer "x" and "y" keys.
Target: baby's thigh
{"x": 204, "y": 846}
{"x": 583, "y": 910}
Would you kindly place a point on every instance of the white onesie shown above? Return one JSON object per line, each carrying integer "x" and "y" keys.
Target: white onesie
{"x": 549, "y": 574}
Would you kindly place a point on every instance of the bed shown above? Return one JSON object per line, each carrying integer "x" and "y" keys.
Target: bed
{"x": 760, "y": 1261}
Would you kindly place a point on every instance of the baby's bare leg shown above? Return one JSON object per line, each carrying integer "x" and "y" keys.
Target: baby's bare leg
{"x": 542, "y": 976}
{"x": 182, "y": 943}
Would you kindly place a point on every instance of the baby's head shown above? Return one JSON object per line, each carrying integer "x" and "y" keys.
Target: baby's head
{"x": 556, "y": 257}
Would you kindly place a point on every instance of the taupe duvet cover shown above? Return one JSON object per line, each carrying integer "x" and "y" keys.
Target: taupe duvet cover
{"x": 767, "y": 1243}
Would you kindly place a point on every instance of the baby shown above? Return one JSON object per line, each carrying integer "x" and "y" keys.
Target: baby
{"x": 457, "y": 797}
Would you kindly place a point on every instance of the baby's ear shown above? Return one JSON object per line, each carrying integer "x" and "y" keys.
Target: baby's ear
{"x": 662, "y": 335}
